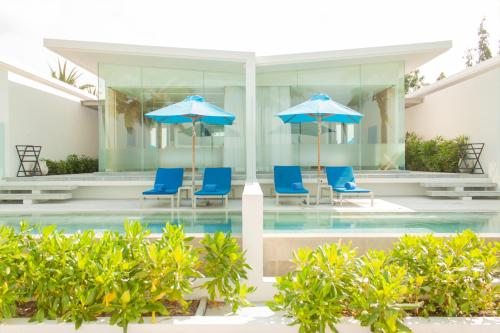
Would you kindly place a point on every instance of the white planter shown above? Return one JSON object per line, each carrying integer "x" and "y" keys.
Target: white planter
{"x": 254, "y": 319}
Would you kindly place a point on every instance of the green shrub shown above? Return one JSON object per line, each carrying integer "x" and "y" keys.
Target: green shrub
{"x": 73, "y": 164}
{"x": 435, "y": 155}
{"x": 452, "y": 277}
{"x": 225, "y": 265}
{"x": 317, "y": 293}
{"x": 79, "y": 277}
{"x": 422, "y": 275}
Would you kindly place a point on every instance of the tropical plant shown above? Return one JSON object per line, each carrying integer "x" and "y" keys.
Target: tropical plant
{"x": 483, "y": 48}
{"x": 451, "y": 277}
{"x": 379, "y": 294}
{"x": 435, "y": 155}
{"x": 441, "y": 76}
{"x": 79, "y": 277}
{"x": 421, "y": 275}
{"x": 65, "y": 74}
{"x": 414, "y": 81}
{"x": 225, "y": 266}
{"x": 317, "y": 292}
{"x": 70, "y": 76}
{"x": 72, "y": 164}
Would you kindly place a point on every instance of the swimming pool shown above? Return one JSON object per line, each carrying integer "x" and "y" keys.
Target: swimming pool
{"x": 274, "y": 222}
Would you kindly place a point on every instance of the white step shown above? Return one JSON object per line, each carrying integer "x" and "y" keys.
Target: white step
{"x": 36, "y": 187}
{"x": 28, "y": 198}
{"x": 463, "y": 193}
{"x": 459, "y": 184}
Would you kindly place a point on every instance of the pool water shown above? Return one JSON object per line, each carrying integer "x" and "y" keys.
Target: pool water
{"x": 274, "y": 222}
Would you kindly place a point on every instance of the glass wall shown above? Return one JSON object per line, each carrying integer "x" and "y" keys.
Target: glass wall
{"x": 376, "y": 90}
{"x": 129, "y": 141}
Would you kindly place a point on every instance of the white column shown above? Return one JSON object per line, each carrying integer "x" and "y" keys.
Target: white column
{"x": 5, "y": 163}
{"x": 252, "y": 213}
{"x": 250, "y": 119}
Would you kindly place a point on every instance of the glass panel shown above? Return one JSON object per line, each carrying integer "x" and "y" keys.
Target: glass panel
{"x": 377, "y": 143}
{"x": 121, "y": 118}
{"x": 2, "y": 150}
{"x": 169, "y": 145}
{"x": 382, "y": 127}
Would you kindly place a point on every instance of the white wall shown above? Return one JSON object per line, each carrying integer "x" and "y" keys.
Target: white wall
{"x": 59, "y": 123}
{"x": 470, "y": 108}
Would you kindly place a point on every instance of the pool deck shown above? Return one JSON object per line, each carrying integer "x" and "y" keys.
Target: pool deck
{"x": 399, "y": 204}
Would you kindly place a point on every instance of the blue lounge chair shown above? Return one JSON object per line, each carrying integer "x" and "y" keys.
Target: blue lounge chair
{"x": 216, "y": 185}
{"x": 167, "y": 183}
{"x": 288, "y": 183}
{"x": 340, "y": 176}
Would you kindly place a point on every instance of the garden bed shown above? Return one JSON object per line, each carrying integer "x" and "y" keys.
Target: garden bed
{"x": 251, "y": 319}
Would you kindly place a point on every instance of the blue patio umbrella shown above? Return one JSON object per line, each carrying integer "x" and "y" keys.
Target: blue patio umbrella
{"x": 319, "y": 108}
{"x": 191, "y": 110}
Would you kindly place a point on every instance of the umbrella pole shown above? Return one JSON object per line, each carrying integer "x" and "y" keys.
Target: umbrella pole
{"x": 193, "y": 144}
{"x": 319, "y": 160}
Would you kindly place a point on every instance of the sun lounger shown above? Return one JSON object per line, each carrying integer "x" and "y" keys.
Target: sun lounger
{"x": 216, "y": 185}
{"x": 167, "y": 183}
{"x": 288, "y": 183}
{"x": 341, "y": 180}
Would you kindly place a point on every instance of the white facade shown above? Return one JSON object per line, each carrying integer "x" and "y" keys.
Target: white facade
{"x": 39, "y": 111}
{"x": 467, "y": 103}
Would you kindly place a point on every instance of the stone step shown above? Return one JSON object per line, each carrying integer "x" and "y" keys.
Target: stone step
{"x": 458, "y": 183}
{"x": 458, "y": 194}
{"x": 36, "y": 187}
{"x": 28, "y": 198}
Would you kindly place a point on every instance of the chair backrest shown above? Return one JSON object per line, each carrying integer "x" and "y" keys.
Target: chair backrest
{"x": 285, "y": 176}
{"x": 339, "y": 175}
{"x": 171, "y": 177}
{"x": 221, "y": 177}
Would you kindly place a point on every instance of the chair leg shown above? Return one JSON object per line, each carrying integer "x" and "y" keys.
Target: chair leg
{"x": 277, "y": 199}
{"x": 226, "y": 200}
{"x": 307, "y": 200}
{"x": 178, "y": 199}
{"x": 331, "y": 197}
{"x": 172, "y": 201}
{"x": 193, "y": 201}
{"x": 341, "y": 199}
{"x": 371, "y": 198}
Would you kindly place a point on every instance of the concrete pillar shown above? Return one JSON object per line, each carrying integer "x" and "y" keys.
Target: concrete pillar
{"x": 250, "y": 119}
{"x": 252, "y": 213}
{"x": 4, "y": 124}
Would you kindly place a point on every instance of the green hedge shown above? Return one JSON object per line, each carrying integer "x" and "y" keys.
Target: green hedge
{"x": 420, "y": 276}
{"x": 77, "y": 278}
{"x": 73, "y": 164}
{"x": 436, "y": 155}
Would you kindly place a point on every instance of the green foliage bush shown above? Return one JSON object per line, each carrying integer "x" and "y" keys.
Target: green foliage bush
{"x": 73, "y": 164}
{"x": 77, "y": 278}
{"x": 420, "y": 276}
{"x": 435, "y": 155}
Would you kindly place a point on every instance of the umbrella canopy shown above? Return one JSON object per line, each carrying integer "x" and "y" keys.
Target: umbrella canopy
{"x": 191, "y": 110}
{"x": 320, "y": 107}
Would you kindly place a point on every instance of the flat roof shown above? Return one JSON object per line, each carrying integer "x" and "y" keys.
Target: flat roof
{"x": 457, "y": 78}
{"x": 88, "y": 54}
{"x": 45, "y": 80}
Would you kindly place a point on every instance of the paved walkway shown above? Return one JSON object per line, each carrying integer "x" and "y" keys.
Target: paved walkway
{"x": 381, "y": 204}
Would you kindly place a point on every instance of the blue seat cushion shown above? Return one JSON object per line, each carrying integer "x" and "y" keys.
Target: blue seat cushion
{"x": 165, "y": 191}
{"x": 290, "y": 190}
{"x": 297, "y": 186}
{"x": 160, "y": 187}
{"x": 350, "y": 185}
{"x": 355, "y": 190}
{"x": 216, "y": 192}
{"x": 210, "y": 187}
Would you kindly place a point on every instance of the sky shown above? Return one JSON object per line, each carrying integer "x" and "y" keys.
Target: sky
{"x": 265, "y": 27}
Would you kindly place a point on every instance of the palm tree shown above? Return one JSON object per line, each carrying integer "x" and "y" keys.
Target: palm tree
{"x": 70, "y": 76}
{"x": 63, "y": 75}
